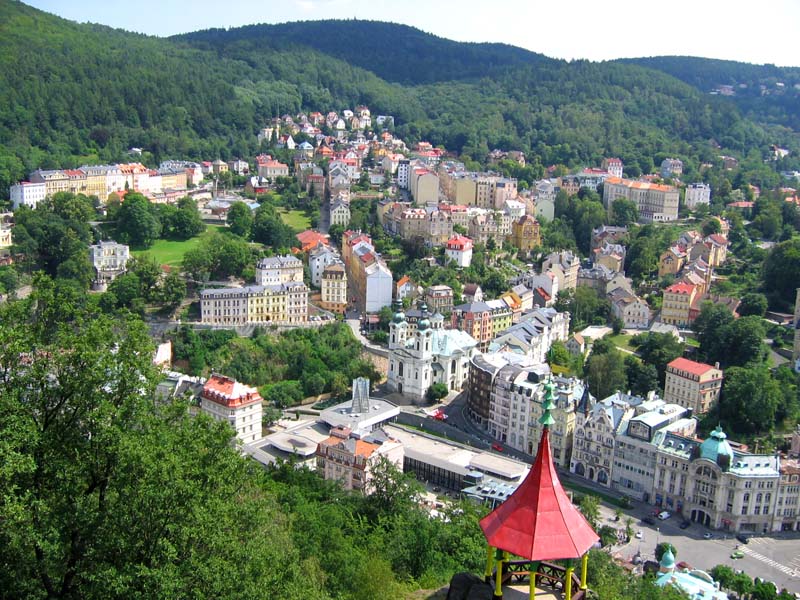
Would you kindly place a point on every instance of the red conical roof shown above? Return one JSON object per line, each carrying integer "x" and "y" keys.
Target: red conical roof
{"x": 538, "y": 521}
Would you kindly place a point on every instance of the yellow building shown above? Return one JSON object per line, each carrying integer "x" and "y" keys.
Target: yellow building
{"x": 334, "y": 288}
{"x": 671, "y": 261}
{"x": 525, "y": 233}
{"x": 281, "y": 304}
{"x": 678, "y": 299}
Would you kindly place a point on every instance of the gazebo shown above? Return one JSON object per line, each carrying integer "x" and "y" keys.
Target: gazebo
{"x": 538, "y": 522}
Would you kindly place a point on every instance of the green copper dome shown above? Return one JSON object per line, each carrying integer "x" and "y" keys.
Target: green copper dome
{"x": 667, "y": 560}
{"x": 716, "y": 445}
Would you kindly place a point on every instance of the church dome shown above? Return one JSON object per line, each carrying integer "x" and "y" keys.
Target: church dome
{"x": 399, "y": 317}
{"x": 667, "y": 560}
{"x": 715, "y": 446}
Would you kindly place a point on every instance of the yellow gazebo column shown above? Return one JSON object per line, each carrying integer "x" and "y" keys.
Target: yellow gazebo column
{"x": 498, "y": 580}
{"x": 487, "y": 574}
{"x": 568, "y": 584}
{"x": 532, "y": 580}
{"x": 584, "y": 568}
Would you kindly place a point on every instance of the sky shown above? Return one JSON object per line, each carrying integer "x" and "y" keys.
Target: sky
{"x": 742, "y": 30}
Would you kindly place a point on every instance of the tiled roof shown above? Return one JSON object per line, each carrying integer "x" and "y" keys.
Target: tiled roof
{"x": 690, "y": 366}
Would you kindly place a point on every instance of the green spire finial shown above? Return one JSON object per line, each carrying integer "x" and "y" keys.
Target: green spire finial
{"x": 549, "y": 395}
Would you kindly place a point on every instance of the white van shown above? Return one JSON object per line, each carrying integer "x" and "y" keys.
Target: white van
{"x": 664, "y": 515}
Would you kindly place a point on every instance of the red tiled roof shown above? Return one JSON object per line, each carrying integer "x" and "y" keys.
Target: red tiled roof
{"x": 229, "y": 392}
{"x": 538, "y": 521}
{"x": 459, "y": 242}
{"x": 680, "y": 288}
{"x": 690, "y": 366}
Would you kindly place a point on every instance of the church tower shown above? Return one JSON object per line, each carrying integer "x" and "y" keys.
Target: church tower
{"x": 423, "y": 339}
{"x": 398, "y": 328}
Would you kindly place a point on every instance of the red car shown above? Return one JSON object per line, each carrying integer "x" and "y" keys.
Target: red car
{"x": 497, "y": 447}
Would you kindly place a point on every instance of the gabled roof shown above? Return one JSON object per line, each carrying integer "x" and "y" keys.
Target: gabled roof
{"x": 538, "y": 521}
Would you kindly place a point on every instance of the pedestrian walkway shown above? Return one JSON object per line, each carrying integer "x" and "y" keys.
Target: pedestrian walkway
{"x": 766, "y": 560}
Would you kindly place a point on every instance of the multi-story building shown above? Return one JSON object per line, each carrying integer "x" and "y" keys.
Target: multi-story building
{"x": 694, "y": 385}
{"x": 54, "y": 180}
{"x": 320, "y": 257}
{"x": 339, "y": 212}
{"x": 225, "y": 399}
{"x": 672, "y": 260}
{"x": 27, "y": 193}
{"x": 333, "y": 288}
{"x": 677, "y": 303}
{"x": 671, "y": 167}
{"x": 474, "y": 318}
{"x": 613, "y": 166}
{"x": 275, "y": 270}
{"x": 459, "y": 250}
{"x": 109, "y": 260}
{"x": 534, "y": 334}
{"x": 611, "y": 256}
{"x": 270, "y": 168}
{"x": 439, "y": 298}
{"x": 369, "y": 279}
{"x": 712, "y": 483}
{"x": 430, "y": 355}
{"x": 787, "y": 507}
{"x": 525, "y": 233}
{"x": 350, "y": 460}
{"x": 697, "y": 194}
{"x": 629, "y": 308}
{"x": 655, "y": 202}
{"x": 285, "y": 304}
{"x": 564, "y": 265}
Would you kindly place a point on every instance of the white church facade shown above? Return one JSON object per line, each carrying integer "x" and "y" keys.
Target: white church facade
{"x": 428, "y": 355}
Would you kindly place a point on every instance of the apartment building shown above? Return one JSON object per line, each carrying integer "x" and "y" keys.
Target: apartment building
{"x": 225, "y": 399}
{"x": 109, "y": 260}
{"x": 333, "y": 288}
{"x": 275, "y": 270}
{"x": 655, "y": 202}
{"x": 281, "y": 304}
{"x": 693, "y": 385}
{"x": 677, "y": 303}
{"x": 28, "y": 194}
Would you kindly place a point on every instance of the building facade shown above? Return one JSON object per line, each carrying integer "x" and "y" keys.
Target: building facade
{"x": 275, "y": 270}
{"x": 282, "y": 304}
{"x": 28, "y": 194}
{"x": 656, "y": 203}
{"x": 694, "y": 385}
{"x": 333, "y": 288}
{"x": 225, "y": 399}
{"x": 109, "y": 260}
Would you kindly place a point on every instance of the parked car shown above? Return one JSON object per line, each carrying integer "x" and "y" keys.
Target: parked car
{"x": 742, "y": 538}
{"x": 685, "y": 524}
{"x": 639, "y": 535}
{"x": 649, "y": 520}
{"x": 708, "y": 535}
{"x": 664, "y": 515}
{"x": 497, "y": 447}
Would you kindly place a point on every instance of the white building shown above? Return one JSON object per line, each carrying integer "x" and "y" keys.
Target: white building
{"x": 109, "y": 260}
{"x": 27, "y": 193}
{"x": 656, "y": 203}
{"x": 275, "y": 270}
{"x": 564, "y": 265}
{"x": 534, "y": 334}
{"x": 340, "y": 212}
{"x": 430, "y": 355}
{"x": 459, "y": 250}
{"x": 629, "y": 308}
{"x": 403, "y": 173}
{"x": 240, "y": 405}
{"x": 697, "y": 194}
{"x": 378, "y": 289}
{"x": 318, "y": 258}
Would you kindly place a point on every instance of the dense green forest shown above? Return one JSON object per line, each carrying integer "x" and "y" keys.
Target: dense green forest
{"x": 74, "y": 93}
{"x": 765, "y": 93}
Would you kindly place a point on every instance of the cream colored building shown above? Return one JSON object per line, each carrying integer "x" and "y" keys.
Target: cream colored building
{"x": 333, "y": 288}
{"x": 694, "y": 385}
{"x": 677, "y": 302}
{"x": 54, "y": 180}
{"x": 350, "y": 460}
{"x": 225, "y": 399}
{"x": 656, "y": 203}
{"x": 712, "y": 484}
{"x": 274, "y": 270}
{"x": 564, "y": 265}
{"x": 283, "y": 304}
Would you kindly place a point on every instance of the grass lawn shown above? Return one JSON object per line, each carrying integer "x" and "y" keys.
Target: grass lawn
{"x": 296, "y": 219}
{"x": 170, "y": 252}
{"x": 621, "y": 341}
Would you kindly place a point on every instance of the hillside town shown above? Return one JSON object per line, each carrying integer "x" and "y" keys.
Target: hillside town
{"x": 471, "y": 303}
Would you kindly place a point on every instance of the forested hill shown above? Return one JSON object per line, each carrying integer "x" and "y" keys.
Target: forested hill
{"x": 766, "y": 93}
{"x": 396, "y": 53}
{"x": 75, "y": 93}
